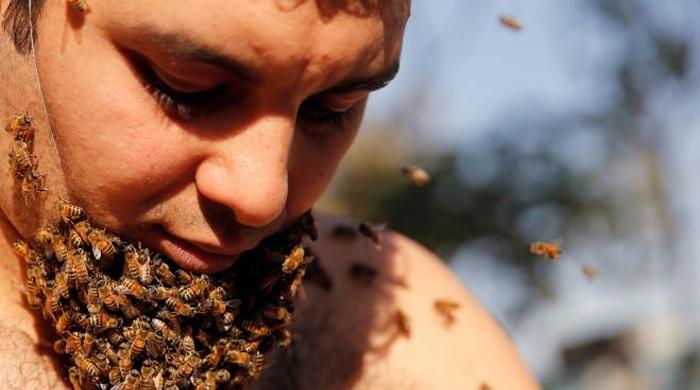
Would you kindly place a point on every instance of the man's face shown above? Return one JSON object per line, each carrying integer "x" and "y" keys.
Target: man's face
{"x": 201, "y": 126}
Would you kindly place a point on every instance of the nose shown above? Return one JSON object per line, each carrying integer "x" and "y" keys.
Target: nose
{"x": 248, "y": 171}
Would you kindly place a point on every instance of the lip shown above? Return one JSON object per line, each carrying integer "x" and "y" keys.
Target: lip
{"x": 192, "y": 258}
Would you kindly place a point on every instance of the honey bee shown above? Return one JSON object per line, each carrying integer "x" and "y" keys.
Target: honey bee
{"x": 277, "y": 313}
{"x": 114, "y": 376}
{"x": 255, "y": 327}
{"x": 146, "y": 380}
{"x": 180, "y": 308}
{"x": 102, "y": 321}
{"x": 21, "y": 159}
{"x": 102, "y": 363}
{"x": 131, "y": 382}
{"x": 256, "y": 365}
{"x": 78, "y": 234}
{"x": 125, "y": 361}
{"x": 187, "y": 343}
{"x": 25, "y": 252}
{"x": 60, "y": 250}
{"x": 94, "y": 304}
{"x": 220, "y": 377}
{"x": 32, "y": 293}
{"x": 155, "y": 344}
{"x": 69, "y": 213}
{"x": 214, "y": 357}
{"x": 292, "y": 261}
{"x": 510, "y": 22}
{"x": 363, "y": 273}
{"x": 73, "y": 342}
{"x": 76, "y": 267}
{"x": 52, "y": 305}
{"x": 132, "y": 287}
{"x": 62, "y": 323}
{"x": 80, "y": 5}
{"x": 85, "y": 365}
{"x": 45, "y": 237}
{"x": 106, "y": 349}
{"x": 416, "y": 175}
{"x": 446, "y": 308}
{"x": 371, "y": 233}
{"x": 162, "y": 271}
{"x": 20, "y": 127}
{"x": 107, "y": 296}
{"x": 161, "y": 293}
{"x": 32, "y": 182}
{"x": 74, "y": 378}
{"x": 102, "y": 246}
{"x": 183, "y": 277}
{"x": 550, "y": 250}
{"x": 194, "y": 290}
{"x": 225, "y": 322}
{"x": 590, "y": 272}
{"x": 403, "y": 322}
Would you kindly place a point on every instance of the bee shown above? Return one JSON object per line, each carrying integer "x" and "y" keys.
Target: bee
{"x": 146, "y": 275}
{"x": 255, "y": 327}
{"x": 510, "y": 22}
{"x": 590, "y": 272}
{"x": 239, "y": 358}
{"x": 80, "y": 5}
{"x": 78, "y": 234}
{"x": 73, "y": 342}
{"x": 187, "y": 343}
{"x": 550, "y": 250}
{"x": 106, "y": 349}
{"x": 114, "y": 336}
{"x": 21, "y": 159}
{"x": 155, "y": 344}
{"x": 45, "y": 237}
{"x": 60, "y": 250}
{"x": 194, "y": 290}
{"x": 76, "y": 267}
{"x": 101, "y": 321}
{"x": 125, "y": 361}
{"x": 180, "y": 308}
{"x": 74, "y": 378}
{"x": 292, "y": 261}
{"x": 32, "y": 293}
{"x": 183, "y": 277}
{"x": 94, "y": 304}
{"x": 277, "y": 313}
{"x": 190, "y": 363}
{"x": 25, "y": 252}
{"x": 214, "y": 357}
{"x": 256, "y": 365}
{"x": 52, "y": 305}
{"x": 296, "y": 284}
{"x": 363, "y": 273}
{"x": 102, "y": 246}
{"x": 114, "y": 376}
{"x": 446, "y": 308}
{"x": 69, "y": 213}
{"x": 284, "y": 338}
{"x": 132, "y": 287}
{"x": 107, "y": 295}
{"x": 146, "y": 380}
{"x": 131, "y": 382}
{"x": 20, "y": 127}
{"x": 62, "y": 323}
{"x": 416, "y": 175}
{"x": 371, "y": 233}
{"x": 102, "y": 363}
{"x": 32, "y": 182}
{"x": 225, "y": 322}
{"x": 221, "y": 377}
{"x": 162, "y": 271}
{"x": 403, "y": 322}
{"x": 87, "y": 366}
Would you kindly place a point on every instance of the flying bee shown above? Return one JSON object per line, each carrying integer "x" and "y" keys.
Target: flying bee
{"x": 76, "y": 267}
{"x": 372, "y": 233}
{"x": 94, "y": 304}
{"x": 21, "y": 127}
{"x": 446, "y": 308}
{"x": 510, "y": 22}
{"x": 69, "y": 213}
{"x": 86, "y": 366}
{"x": 292, "y": 261}
{"x": 132, "y": 287}
{"x": 180, "y": 308}
{"x": 416, "y": 175}
{"x": 403, "y": 323}
{"x": 80, "y": 5}
{"x": 550, "y": 250}
{"x": 163, "y": 273}
{"x": 194, "y": 290}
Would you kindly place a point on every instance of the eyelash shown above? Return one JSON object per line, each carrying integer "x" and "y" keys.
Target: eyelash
{"x": 186, "y": 106}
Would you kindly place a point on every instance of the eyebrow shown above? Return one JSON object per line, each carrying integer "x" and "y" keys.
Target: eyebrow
{"x": 186, "y": 48}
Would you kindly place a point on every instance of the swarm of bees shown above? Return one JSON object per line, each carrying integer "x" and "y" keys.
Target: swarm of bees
{"x": 127, "y": 318}
{"x": 23, "y": 163}
{"x": 550, "y": 250}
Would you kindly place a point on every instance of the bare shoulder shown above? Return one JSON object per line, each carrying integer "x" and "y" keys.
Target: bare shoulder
{"x": 369, "y": 317}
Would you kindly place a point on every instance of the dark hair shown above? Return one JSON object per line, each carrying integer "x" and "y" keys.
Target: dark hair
{"x": 17, "y": 22}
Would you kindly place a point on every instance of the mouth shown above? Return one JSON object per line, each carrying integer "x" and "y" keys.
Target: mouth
{"x": 192, "y": 258}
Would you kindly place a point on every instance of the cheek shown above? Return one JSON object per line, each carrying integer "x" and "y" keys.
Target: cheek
{"x": 116, "y": 150}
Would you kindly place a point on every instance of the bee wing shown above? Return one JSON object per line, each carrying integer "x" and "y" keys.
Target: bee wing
{"x": 97, "y": 253}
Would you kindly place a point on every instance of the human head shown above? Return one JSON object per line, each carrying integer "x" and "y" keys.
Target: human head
{"x": 208, "y": 123}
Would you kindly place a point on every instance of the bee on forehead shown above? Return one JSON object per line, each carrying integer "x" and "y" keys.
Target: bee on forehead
{"x": 416, "y": 175}
{"x": 550, "y": 250}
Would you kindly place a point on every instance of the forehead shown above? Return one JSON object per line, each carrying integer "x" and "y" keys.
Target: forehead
{"x": 301, "y": 37}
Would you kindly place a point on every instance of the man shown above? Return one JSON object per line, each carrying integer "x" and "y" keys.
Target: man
{"x": 200, "y": 127}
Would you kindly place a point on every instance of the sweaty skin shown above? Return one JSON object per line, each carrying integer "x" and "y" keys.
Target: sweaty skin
{"x": 261, "y": 102}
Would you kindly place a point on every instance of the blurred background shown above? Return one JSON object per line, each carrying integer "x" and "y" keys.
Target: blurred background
{"x": 581, "y": 127}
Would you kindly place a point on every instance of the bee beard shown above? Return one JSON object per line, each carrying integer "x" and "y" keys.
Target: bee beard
{"x": 121, "y": 322}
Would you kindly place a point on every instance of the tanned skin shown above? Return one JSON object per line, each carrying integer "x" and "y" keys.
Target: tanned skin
{"x": 283, "y": 104}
